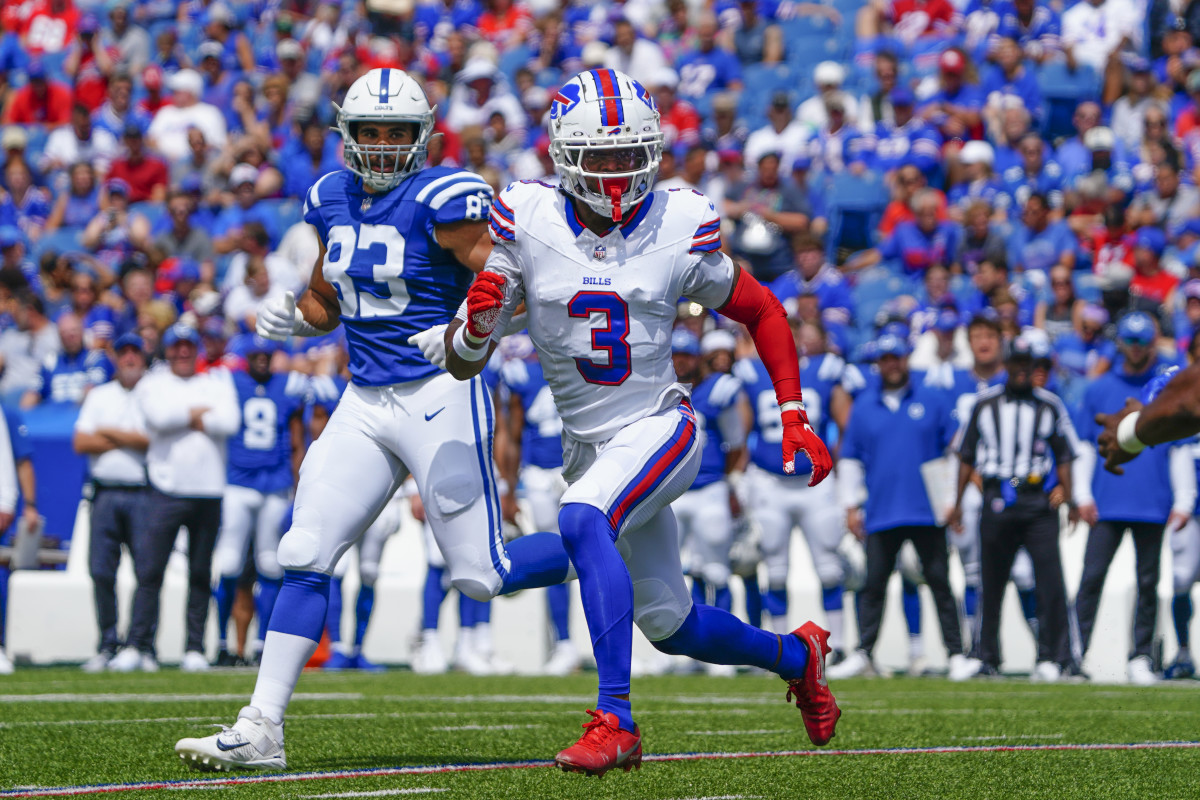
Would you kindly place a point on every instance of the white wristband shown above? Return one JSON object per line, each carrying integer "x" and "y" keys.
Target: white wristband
{"x": 792, "y": 405}
{"x": 466, "y": 351}
{"x": 302, "y": 327}
{"x": 1127, "y": 436}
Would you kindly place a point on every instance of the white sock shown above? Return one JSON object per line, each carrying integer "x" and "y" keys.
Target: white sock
{"x": 836, "y": 622}
{"x": 916, "y": 647}
{"x": 283, "y": 658}
{"x": 483, "y": 638}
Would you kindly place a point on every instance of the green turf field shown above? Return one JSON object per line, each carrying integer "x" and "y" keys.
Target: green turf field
{"x": 59, "y": 728}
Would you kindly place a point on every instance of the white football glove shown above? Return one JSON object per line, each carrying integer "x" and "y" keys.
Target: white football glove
{"x": 432, "y": 343}
{"x": 276, "y": 319}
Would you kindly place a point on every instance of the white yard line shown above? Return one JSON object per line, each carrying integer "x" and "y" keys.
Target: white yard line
{"x": 71, "y": 697}
{"x": 379, "y": 793}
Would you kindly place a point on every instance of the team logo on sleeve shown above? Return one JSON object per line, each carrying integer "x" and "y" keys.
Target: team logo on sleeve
{"x": 564, "y": 100}
{"x": 600, "y": 253}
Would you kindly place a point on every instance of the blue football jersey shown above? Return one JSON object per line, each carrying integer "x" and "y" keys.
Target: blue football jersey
{"x": 712, "y": 398}
{"x": 541, "y": 436}
{"x": 818, "y": 376}
{"x": 260, "y": 454}
{"x": 392, "y": 278}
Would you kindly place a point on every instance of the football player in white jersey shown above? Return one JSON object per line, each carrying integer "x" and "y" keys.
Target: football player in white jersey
{"x": 599, "y": 262}
{"x": 398, "y": 245}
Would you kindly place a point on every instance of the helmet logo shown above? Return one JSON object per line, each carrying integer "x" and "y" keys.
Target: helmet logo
{"x": 566, "y": 99}
{"x": 644, "y": 95}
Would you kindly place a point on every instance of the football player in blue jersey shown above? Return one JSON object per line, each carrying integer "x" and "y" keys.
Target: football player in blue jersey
{"x": 399, "y": 246}
{"x": 779, "y": 505}
{"x": 534, "y": 460}
{"x": 705, "y": 512}
{"x": 263, "y": 459}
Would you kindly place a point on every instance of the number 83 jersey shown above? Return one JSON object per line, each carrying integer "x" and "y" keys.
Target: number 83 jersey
{"x": 392, "y": 277}
{"x": 601, "y": 307}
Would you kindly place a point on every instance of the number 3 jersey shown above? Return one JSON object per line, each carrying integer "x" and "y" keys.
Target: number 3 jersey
{"x": 392, "y": 277}
{"x": 260, "y": 455}
{"x": 601, "y": 308}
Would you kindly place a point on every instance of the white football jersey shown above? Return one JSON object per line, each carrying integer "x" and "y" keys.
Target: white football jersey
{"x": 601, "y": 308}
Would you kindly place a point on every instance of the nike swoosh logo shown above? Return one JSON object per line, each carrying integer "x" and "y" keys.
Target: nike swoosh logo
{"x": 434, "y": 414}
{"x": 227, "y": 747}
{"x": 621, "y": 754}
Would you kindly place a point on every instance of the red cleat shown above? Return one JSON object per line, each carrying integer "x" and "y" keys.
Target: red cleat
{"x": 813, "y": 698}
{"x": 603, "y": 746}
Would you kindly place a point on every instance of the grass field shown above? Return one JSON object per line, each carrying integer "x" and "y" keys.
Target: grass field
{"x": 60, "y": 728}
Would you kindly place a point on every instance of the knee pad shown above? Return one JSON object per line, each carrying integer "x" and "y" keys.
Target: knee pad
{"x": 830, "y": 571}
{"x": 225, "y": 563}
{"x": 300, "y": 550}
{"x": 657, "y": 612}
{"x": 368, "y": 573}
{"x": 475, "y": 588}
{"x": 910, "y": 565}
{"x": 450, "y": 489}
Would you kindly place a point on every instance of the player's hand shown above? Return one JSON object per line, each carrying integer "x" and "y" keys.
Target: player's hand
{"x": 32, "y": 519}
{"x": 799, "y": 437}
{"x": 1177, "y": 520}
{"x": 1089, "y": 514}
{"x": 432, "y": 344}
{"x": 485, "y": 298}
{"x": 954, "y": 519}
{"x": 508, "y": 508}
{"x": 6, "y": 519}
{"x": 854, "y": 523}
{"x": 276, "y": 318}
{"x": 1057, "y": 497}
{"x": 1107, "y": 444}
{"x": 196, "y": 417}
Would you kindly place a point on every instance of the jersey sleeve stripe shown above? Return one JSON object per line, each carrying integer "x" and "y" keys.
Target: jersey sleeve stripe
{"x": 438, "y": 183}
{"x": 457, "y": 190}
{"x": 314, "y": 194}
{"x": 708, "y": 227}
{"x": 710, "y": 247}
{"x": 501, "y": 209}
{"x": 500, "y": 233}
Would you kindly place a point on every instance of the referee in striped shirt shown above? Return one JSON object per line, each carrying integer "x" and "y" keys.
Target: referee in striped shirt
{"x": 1016, "y": 436}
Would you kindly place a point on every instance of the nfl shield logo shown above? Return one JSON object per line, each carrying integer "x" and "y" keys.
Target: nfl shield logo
{"x": 366, "y": 203}
{"x": 600, "y": 252}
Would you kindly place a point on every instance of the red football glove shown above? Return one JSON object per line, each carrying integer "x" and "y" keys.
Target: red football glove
{"x": 798, "y": 436}
{"x": 485, "y": 298}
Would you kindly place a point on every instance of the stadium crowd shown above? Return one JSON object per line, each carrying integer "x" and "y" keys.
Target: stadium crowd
{"x": 924, "y": 182}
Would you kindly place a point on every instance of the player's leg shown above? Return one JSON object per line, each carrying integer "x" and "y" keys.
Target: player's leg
{"x": 429, "y": 659}
{"x": 543, "y": 490}
{"x": 1185, "y": 571}
{"x": 266, "y": 562}
{"x": 370, "y": 552}
{"x": 713, "y": 535}
{"x": 1023, "y": 579}
{"x": 966, "y": 542}
{"x": 911, "y": 578}
{"x": 450, "y": 456}
{"x": 684, "y": 509}
{"x": 239, "y": 509}
{"x": 821, "y": 522}
{"x": 770, "y": 505}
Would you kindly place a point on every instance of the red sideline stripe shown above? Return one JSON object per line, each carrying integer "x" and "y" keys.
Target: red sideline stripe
{"x": 609, "y": 91}
{"x": 502, "y": 765}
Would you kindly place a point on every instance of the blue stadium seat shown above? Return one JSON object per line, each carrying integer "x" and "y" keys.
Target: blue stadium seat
{"x": 856, "y": 204}
{"x": 60, "y": 241}
{"x": 154, "y": 212}
{"x": 1062, "y": 90}
{"x": 285, "y": 212}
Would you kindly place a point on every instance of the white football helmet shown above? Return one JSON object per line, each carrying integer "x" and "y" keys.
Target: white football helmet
{"x": 384, "y": 95}
{"x": 600, "y": 112}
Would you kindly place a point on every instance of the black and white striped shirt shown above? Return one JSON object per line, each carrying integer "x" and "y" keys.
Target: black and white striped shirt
{"x": 1018, "y": 436}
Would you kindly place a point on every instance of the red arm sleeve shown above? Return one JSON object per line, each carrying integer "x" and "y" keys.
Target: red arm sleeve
{"x": 753, "y": 305}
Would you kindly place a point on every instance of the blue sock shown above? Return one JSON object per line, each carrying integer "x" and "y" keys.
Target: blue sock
{"x": 432, "y": 599}
{"x": 831, "y": 598}
{"x": 723, "y": 599}
{"x": 775, "y": 602}
{"x": 912, "y": 607}
{"x": 362, "y": 614}
{"x": 558, "y": 602}
{"x": 333, "y": 621}
{"x": 1181, "y": 615}
{"x": 1028, "y": 603}
{"x": 466, "y": 611}
{"x": 304, "y": 603}
{"x": 538, "y": 559}
{"x": 619, "y": 706}
{"x": 754, "y": 602}
{"x": 971, "y": 601}
{"x": 607, "y": 593}
{"x": 718, "y": 637}
{"x": 264, "y": 601}
{"x": 699, "y": 590}
{"x": 224, "y": 594}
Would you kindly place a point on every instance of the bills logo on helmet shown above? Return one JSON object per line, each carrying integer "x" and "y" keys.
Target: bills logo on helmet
{"x": 644, "y": 95}
{"x": 564, "y": 100}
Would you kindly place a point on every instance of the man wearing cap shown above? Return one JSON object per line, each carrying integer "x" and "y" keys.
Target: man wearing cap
{"x": 168, "y": 130}
{"x": 705, "y": 511}
{"x": 1036, "y": 27}
{"x": 183, "y": 238}
{"x": 1170, "y": 204}
{"x": 1152, "y": 288}
{"x": 782, "y": 134}
{"x": 1073, "y": 154}
{"x": 237, "y": 55}
{"x": 218, "y": 82}
{"x": 41, "y": 101}
{"x": 893, "y": 429}
{"x": 90, "y": 62}
{"x": 1015, "y": 436}
{"x": 1034, "y": 173}
{"x": 679, "y": 120}
{"x": 79, "y": 141}
{"x": 188, "y": 418}
{"x": 227, "y": 229}
{"x": 1038, "y": 243}
{"x": 905, "y": 139}
{"x": 131, "y": 41}
{"x": 304, "y": 90}
{"x": 479, "y": 91}
{"x": 110, "y": 431}
{"x": 955, "y": 108}
{"x": 1129, "y": 110}
{"x": 1157, "y": 489}
{"x": 145, "y": 174}
{"x": 1008, "y": 81}
{"x": 828, "y": 77}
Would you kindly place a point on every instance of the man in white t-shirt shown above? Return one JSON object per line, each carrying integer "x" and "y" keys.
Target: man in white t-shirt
{"x": 168, "y": 129}
{"x": 1094, "y": 29}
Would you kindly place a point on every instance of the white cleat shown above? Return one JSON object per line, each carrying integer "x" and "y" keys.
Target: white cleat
{"x": 1141, "y": 673}
{"x": 856, "y": 664}
{"x": 97, "y": 663}
{"x": 254, "y": 742}
{"x": 194, "y": 661}
{"x": 564, "y": 660}
{"x": 429, "y": 658}
{"x": 1046, "y": 672}
{"x": 6, "y": 666}
{"x": 963, "y": 668}
{"x": 128, "y": 660}
{"x": 470, "y": 660}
